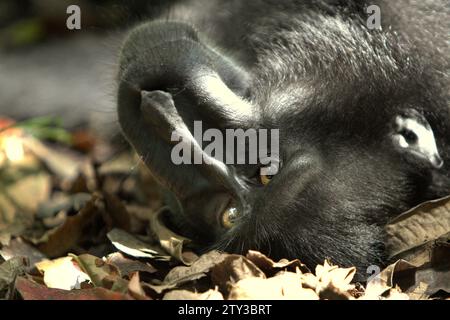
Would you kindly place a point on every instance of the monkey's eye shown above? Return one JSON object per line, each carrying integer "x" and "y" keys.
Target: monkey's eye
{"x": 229, "y": 217}
{"x": 409, "y": 136}
{"x": 265, "y": 179}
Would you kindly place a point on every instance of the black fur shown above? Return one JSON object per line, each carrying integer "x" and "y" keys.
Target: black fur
{"x": 332, "y": 86}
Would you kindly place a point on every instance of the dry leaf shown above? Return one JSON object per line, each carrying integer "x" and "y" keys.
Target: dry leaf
{"x": 169, "y": 240}
{"x": 30, "y": 290}
{"x": 134, "y": 247}
{"x": 157, "y": 289}
{"x": 424, "y": 223}
{"x": 416, "y": 282}
{"x": 62, "y": 162}
{"x": 334, "y": 282}
{"x": 9, "y": 270}
{"x": 62, "y": 239}
{"x": 122, "y": 164}
{"x": 19, "y": 248}
{"x": 117, "y": 211}
{"x": 197, "y": 270}
{"x": 19, "y": 203}
{"x": 184, "y": 274}
{"x": 395, "y": 294}
{"x": 62, "y": 273}
{"x": 419, "y": 292}
{"x": 135, "y": 288}
{"x": 28, "y": 193}
{"x": 128, "y": 266}
{"x": 271, "y": 267}
{"x": 101, "y": 273}
{"x": 188, "y": 295}
{"x": 62, "y": 202}
{"x": 232, "y": 269}
{"x": 284, "y": 286}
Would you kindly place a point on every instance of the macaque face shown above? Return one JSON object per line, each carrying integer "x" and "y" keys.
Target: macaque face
{"x": 334, "y": 188}
{"x": 348, "y": 155}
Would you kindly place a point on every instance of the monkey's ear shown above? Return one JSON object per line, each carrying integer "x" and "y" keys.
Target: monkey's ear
{"x": 414, "y": 137}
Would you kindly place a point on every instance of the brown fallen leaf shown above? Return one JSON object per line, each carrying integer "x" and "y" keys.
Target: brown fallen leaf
{"x": 284, "y": 286}
{"x": 30, "y": 290}
{"x": 139, "y": 218}
{"x": 128, "y": 266}
{"x": 169, "y": 240}
{"x": 134, "y": 247}
{"x": 156, "y": 290}
{"x": 188, "y": 295}
{"x": 435, "y": 252}
{"x": 63, "y": 163}
{"x": 101, "y": 273}
{"x": 60, "y": 201}
{"x": 197, "y": 270}
{"x": 421, "y": 236}
{"x": 19, "y": 202}
{"x": 9, "y": 271}
{"x": 152, "y": 193}
{"x": 56, "y": 221}
{"x": 135, "y": 288}
{"x": 232, "y": 269}
{"x": 110, "y": 184}
{"x": 83, "y": 140}
{"x": 62, "y": 273}
{"x": 29, "y": 192}
{"x": 81, "y": 184}
{"x": 5, "y": 238}
{"x": 61, "y": 240}
{"x": 19, "y": 248}
{"x": 117, "y": 211}
{"x": 410, "y": 278}
{"x": 424, "y": 223}
{"x": 396, "y": 294}
{"x": 140, "y": 212}
{"x": 271, "y": 267}
{"x": 181, "y": 275}
{"x": 436, "y": 279}
{"x": 380, "y": 286}
{"x": 334, "y": 282}
{"x": 120, "y": 164}
{"x": 419, "y": 292}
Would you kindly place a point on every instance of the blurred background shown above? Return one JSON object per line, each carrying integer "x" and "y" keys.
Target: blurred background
{"x": 48, "y": 70}
{"x": 59, "y": 138}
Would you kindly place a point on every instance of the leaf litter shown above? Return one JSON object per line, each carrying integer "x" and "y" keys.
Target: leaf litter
{"x": 89, "y": 225}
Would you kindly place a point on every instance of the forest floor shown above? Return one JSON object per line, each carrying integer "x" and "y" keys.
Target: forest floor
{"x": 82, "y": 220}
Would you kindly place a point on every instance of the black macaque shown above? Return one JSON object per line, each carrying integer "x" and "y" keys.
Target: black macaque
{"x": 363, "y": 118}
